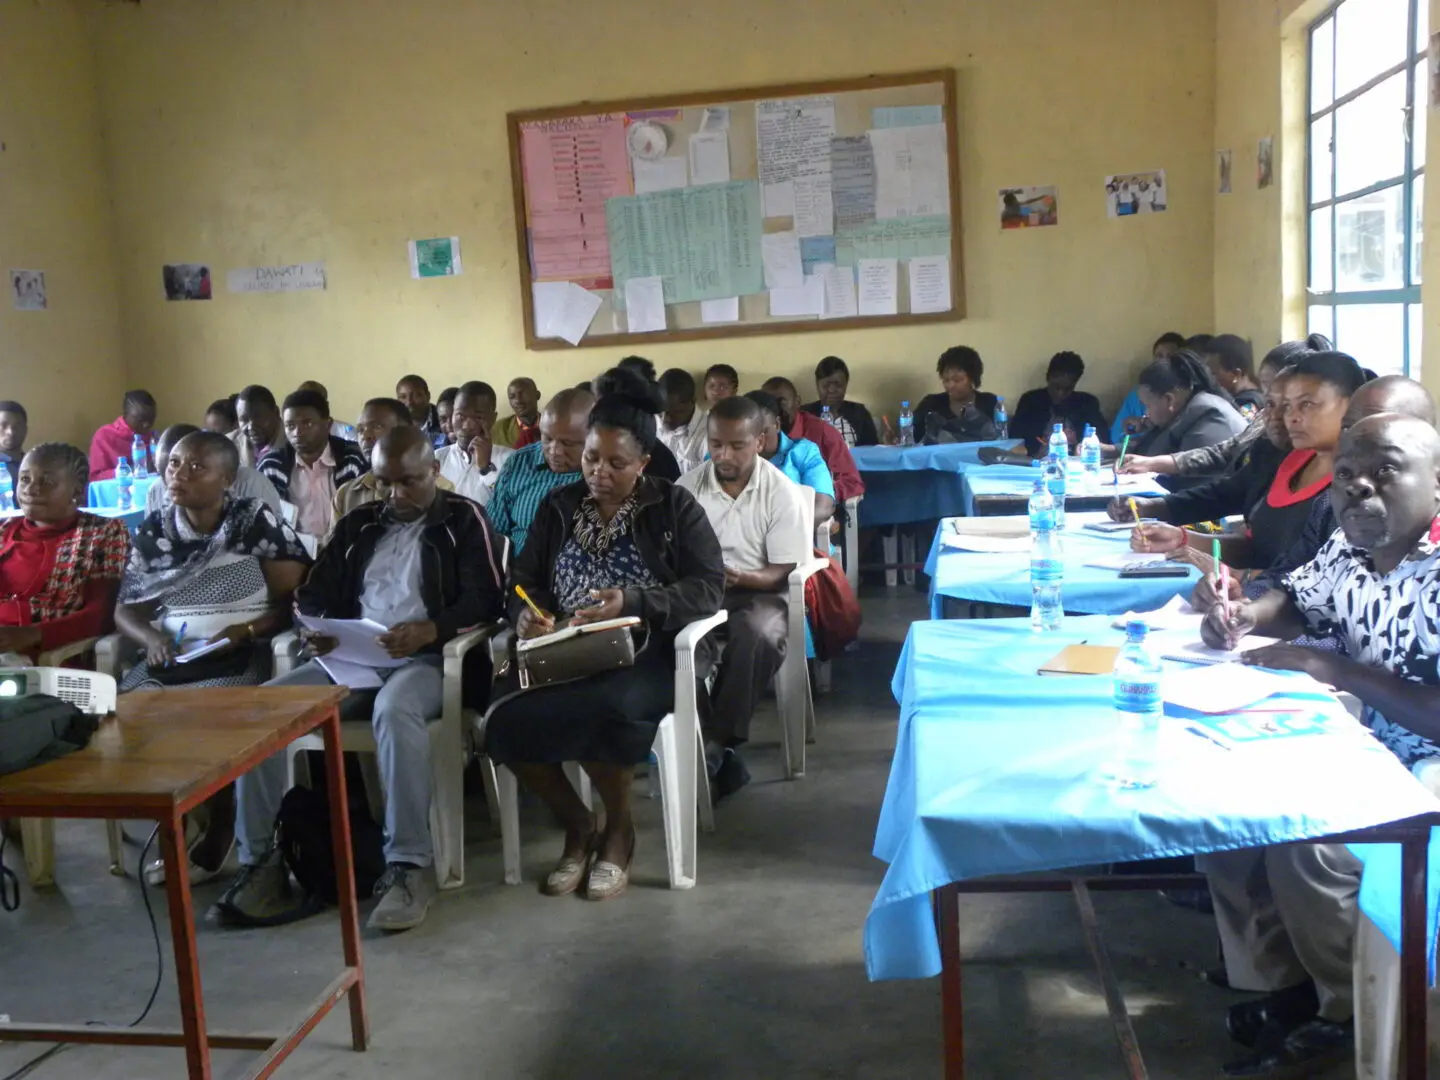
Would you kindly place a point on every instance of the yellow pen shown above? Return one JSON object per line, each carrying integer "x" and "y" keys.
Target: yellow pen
{"x": 523, "y": 595}
{"x": 1134, "y": 510}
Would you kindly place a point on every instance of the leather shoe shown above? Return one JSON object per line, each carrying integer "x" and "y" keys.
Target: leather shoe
{"x": 1283, "y": 1009}
{"x": 1311, "y": 1044}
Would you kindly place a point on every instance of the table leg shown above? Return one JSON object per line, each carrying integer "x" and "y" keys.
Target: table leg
{"x": 952, "y": 1017}
{"x": 345, "y": 878}
{"x": 182, "y": 931}
{"x": 1414, "y": 954}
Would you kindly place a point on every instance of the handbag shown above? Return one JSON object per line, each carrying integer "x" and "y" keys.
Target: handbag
{"x": 577, "y": 652}
{"x": 832, "y": 608}
{"x": 227, "y": 664}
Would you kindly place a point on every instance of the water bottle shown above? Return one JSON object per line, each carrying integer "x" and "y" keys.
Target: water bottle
{"x": 7, "y": 488}
{"x": 1047, "y": 572}
{"x": 1056, "y": 480}
{"x": 1090, "y": 457}
{"x": 907, "y": 425}
{"x": 1002, "y": 420}
{"x": 125, "y": 481}
{"x": 139, "y": 451}
{"x": 1059, "y": 444}
{"x": 1138, "y": 708}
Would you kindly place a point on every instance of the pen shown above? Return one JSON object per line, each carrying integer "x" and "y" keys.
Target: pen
{"x": 1135, "y": 510}
{"x": 180, "y": 634}
{"x": 520, "y": 592}
{"x": 1124, "y": 445}
{"x": 1198, "y": 733}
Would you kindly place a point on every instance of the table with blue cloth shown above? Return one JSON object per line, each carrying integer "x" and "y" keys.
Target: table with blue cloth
{"x": 106, "y": 493}
{"x": 915, "y": 483}
{"x": 1018, "y": 481}
{"x": 1003, "y": 578}
{"x": 995, "y": 770}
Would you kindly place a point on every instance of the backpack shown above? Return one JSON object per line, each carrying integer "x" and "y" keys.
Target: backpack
{"x": 833, "y": 611}
{"x": 303, "y": 828}
{"x": 40, "y": 728}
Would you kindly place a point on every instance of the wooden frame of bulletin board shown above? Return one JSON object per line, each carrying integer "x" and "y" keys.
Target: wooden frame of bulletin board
{"x": 607, "y": 207}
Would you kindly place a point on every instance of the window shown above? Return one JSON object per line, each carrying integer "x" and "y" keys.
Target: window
{"x": 1366, "y": 179}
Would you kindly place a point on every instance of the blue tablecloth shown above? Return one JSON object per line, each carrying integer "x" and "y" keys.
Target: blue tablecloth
{"x": 994, "y": 774}
{"x": 989, "y": 578}
{"x": 106, "y": 493}
{"x": 1019, "y": 480}
{"x": 916, "y": 483}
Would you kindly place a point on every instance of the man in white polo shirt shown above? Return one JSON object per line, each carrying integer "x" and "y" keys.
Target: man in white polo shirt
{"x": 472, "y": 462}
{"x": 758, "y": 514}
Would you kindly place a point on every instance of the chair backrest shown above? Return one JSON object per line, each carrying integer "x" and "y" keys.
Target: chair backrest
{"x": 807, "y": 512}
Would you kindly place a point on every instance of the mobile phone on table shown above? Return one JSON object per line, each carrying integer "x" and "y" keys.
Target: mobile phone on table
{"x": 1160, "y": 570}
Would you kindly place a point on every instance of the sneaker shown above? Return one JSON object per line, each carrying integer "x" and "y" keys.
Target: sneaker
{"x": 261, "y": 895}
{"x": 405, "y": 893}
{"x": 730, "y": 777}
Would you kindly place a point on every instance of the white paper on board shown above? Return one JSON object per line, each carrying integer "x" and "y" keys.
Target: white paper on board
{"x": 667, "y": 174}
{"x": 573, "y": 320}
{"x": 778, "y": 200}
{"x": 645, "y": 304}
{"x": 710, "y": 157}
{"x": 792, "y": 140}
{"x": 879, "y": 287}
{"x": 549, "y": 302}
{"x": 715, "y": 118}
{"x": 297, "y": 277}
{"x": 929, "y": 284}
{"x": 840, "y": 302}
{"x": 808, "y": 299}
{"x": 814, "y": 206}
{"x": 912, "y": 177}
{"x": 780, "y": 253}
{"x": 726, "y": 310}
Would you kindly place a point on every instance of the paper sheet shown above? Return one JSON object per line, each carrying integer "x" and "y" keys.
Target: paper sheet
{"x": 1230, "y": 687}
{"x": 816, "y": 250}
{"x": 1175, "y": 615}
{"x": 438, "y": 256}
{"x": 297, "y": 277}
{"x": 781, "y": 255}
{"x": 715, "y": 118}
{"x": 852, "y": 180}
{"x": 645, "y": 305}
{"x": 548, "y": 301}
{"x": 355, "y": 676}
{"x": 879, "y": 287}
{"x": 667, "y": 174}
{"x": 792, "y": 138}
{"x": 1187, "y": 648}
{"x": 573, "y": 320}
{"x": 356, "y": 638}
{"x": 929, "y": 284}
{"x": 894, "y": 116}
{"x": 897, "y": 238}
{"x": 201, "y": 650}
{"x": 571, "y": 167}
{"x": 710, "y": 157}
{"x": 994, "y": 544}
{"x": 1123, "y": 560}
{"x": 814, "y": 207}
{"x": 808, "y": 299}
{"x": 840, "y": 300}
{"x": 725, "y": 310}
{"x": 911, "y": 171}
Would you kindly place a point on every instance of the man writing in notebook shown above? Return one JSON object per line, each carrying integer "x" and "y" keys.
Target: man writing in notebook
{"x": 1287, "y": 914}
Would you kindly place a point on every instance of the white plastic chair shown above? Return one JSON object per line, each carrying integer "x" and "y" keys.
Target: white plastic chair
{"x": 792, "y": 681}
{"x": 850, "y": 542}
{"x": 680, "y": 756}
{"x": 907, "y": 553}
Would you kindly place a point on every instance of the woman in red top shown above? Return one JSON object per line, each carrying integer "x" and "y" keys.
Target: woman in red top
{"x": 59, "y": 568}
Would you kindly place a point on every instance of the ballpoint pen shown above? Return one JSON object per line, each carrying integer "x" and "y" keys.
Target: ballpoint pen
{"x": 523, "y": 595}
{"x": 1124, "y": 445}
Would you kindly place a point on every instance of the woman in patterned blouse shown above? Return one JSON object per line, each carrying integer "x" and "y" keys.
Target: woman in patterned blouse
{"x": 59, "y": 567}
{"x": 619, "y": 543}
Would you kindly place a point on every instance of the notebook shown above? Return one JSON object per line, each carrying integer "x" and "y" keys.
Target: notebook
{"x": 1197, "y": 652}
{"x": 575, "y": 631}
{"x": 1082, "y": 660}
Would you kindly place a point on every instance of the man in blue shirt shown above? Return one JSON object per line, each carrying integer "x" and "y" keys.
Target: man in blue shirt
{"x": 799, "y": 459}
{"x": 14, "y": 426}
{"x": 531, "y": 473}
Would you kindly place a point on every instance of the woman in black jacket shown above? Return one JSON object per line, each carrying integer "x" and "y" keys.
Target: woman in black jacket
{"x": 618, "y": 543}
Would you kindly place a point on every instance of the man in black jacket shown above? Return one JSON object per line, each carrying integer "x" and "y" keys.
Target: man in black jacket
{"x": 426, "y": 564}
{"x": 312, "y": 465}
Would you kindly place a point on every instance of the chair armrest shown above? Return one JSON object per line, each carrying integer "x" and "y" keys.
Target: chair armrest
{"x": 460, "y": 644}
{"x": 853, "y": 503}
{"x": 805, "y": 570}
{"x": 56, "y": 657}
{"x": 111, "y": 652}
{"x": 688, "y": 639}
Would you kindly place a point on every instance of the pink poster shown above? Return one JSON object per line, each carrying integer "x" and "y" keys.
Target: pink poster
{"x": 571, "y": 166}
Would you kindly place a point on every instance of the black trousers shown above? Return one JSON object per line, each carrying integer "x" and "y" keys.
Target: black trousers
{"x": 755, "y": 644}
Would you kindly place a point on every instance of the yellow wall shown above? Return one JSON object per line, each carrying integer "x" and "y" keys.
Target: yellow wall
{"x": 290, "y": 130}
{"x": 63, "y": 364}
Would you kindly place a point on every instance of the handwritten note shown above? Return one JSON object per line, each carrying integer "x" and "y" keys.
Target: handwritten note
{"x": 911, "y": 171}
{"x": 645, "y": 304}
{"x": 781, "y": 254}
{"x": 929, "y": 284}
{"x": 852, "y": 181}
{"x": 272, "y": 279}
{"x": 710, "y": 157}
{"x": 879, "y": 289}
{"x": 814, "y": 208}
{"x": 840, "y": 302}
{"x": 792, "y": 141}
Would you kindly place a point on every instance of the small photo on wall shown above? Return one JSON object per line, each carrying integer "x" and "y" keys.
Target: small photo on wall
{"x": 186, "y": 281}
{"x": 27, "y": 290}
{"x": 1028, "y": 207}
{"x": 1129, "y": 194}
{"x": 1265, "y": 163}
{"x": 1224, "y": 163}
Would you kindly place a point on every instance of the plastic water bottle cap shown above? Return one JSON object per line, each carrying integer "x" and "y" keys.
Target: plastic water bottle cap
{"x": 1136, "y": 628}
{"x": 904, "y": 404}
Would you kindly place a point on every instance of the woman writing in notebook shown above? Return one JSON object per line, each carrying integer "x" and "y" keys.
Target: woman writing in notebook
{"x": 618, "y": 543}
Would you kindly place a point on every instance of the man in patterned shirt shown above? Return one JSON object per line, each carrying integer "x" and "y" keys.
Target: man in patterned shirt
{"x": 1287, "y": 914}
{"x": 531, "y": 473}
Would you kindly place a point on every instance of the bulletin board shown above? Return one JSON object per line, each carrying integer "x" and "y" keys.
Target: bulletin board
{"x": 772, "y": 209}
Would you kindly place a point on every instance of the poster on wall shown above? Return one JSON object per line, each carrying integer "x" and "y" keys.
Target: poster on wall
{"x": 1028, "y": 207}
{"x": 186, "y": 281}
{"x": 298, "y": 277}
{"x": 436, "y": 257}
{"x": 1223, "y": 162}
{"x": 1129, "y": 194}
{"x": 1265, "y": 163}
{"x": 27, "y": 290}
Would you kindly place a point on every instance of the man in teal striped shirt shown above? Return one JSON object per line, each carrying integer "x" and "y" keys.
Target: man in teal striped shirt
{"x": 533, "y": 472}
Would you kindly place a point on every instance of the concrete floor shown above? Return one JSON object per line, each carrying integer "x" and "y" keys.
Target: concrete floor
{"x": 756, "y": 973}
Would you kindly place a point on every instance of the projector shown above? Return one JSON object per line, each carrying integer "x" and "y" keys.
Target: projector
{"x": 89, "y": 691}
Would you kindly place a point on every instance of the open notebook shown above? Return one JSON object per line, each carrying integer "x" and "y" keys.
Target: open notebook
{"x": 531, "y": 644}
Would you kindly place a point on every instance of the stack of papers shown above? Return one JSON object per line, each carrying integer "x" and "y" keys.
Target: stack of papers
{"x": 986, "y": 534}
{"x": 354, "y": 660}
{"x": 204, "y": 649}
{"x": 1197, "y": 652}
{"x": 1176, "y": 615}
{"x": 1126, "y": 559}
{"x": 1232, "y": 687}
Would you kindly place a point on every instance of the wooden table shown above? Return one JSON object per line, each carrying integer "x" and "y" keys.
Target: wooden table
{"x": 162, "y": 755}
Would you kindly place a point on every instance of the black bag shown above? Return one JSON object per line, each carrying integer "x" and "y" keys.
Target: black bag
{"x": 304, "y": 837}
{"x": 229, "y": 664}
{"x": 40, "y": 728}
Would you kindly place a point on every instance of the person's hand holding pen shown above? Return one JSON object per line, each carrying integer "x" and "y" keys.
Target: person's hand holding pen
{"x": 533, "y": 622}
{"x": 1155, "y": 538}
{"x": 161, "y": 647}
{"x": 608, "y": 604}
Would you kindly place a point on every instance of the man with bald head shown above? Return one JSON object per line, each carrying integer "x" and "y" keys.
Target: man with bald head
{"x": 425, "y": 564}
{"x": 1288, "y": 914}
{"x": 533, "y": 472}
